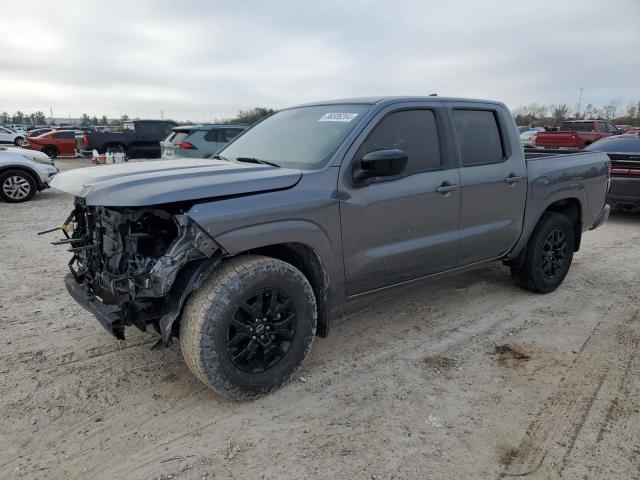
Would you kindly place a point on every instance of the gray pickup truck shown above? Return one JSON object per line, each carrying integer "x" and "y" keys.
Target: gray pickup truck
{"x": 247, "y": 257}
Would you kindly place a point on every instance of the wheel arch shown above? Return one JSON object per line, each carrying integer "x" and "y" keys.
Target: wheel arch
{"x": 31, "y": 172}
{"x": 306, "y": 259}
{"x": 571, "y": 206}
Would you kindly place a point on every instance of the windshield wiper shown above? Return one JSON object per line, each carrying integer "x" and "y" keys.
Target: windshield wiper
{"x": 217, "y": 156}
{"x": 256, "y": 160}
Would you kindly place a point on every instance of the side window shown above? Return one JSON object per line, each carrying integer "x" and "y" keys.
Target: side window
{"x": 211, "y": 135}
{"x": 66, "y": 135}
{"x": 128, "y": 127}
{"x": 611, "y": 128}
{"x": 413, "y": 131}
{"x": 228, "y": 134}
{"x": 478, "y": 137}
{"x": 602, "y": 127}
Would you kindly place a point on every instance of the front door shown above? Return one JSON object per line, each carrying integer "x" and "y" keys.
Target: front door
{"x": 400, "y": 228}
{"x": 493, "y": 179}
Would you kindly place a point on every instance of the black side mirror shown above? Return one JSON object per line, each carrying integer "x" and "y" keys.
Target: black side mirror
{"x": 380, "y": 163}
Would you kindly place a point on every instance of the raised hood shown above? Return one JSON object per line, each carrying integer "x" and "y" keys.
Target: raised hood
{"x": 156, "y": 182}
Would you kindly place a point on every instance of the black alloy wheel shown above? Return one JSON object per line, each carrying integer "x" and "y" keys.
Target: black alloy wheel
{"x": 554, "y": 253}
{"x": 261, "y": 330}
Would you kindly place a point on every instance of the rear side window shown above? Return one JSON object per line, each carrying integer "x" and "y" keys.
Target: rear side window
{"x": 414, "y": 132}
{"x": 227, "y": 134}
{"x": 478, "y": 137}
{"x": 211, "y": 135}
{"x": 577, "y": 127}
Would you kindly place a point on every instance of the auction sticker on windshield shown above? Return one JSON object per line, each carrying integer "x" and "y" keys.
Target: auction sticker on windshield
{"x": 338, "y": 117}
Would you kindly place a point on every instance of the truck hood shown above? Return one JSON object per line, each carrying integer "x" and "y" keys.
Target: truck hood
{"x": 156, "y": 182}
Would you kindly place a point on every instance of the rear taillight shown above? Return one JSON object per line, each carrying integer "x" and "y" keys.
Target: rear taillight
{"x": 85, "y": 140}
{"x": 185, "y": 146}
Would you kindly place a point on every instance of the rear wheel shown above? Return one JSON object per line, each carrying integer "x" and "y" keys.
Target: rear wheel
{"x": 16, "y": 186}
{"x": 246, "y": 331}
{"x": 548, "y": 255}
{"x": 18, "y": 141}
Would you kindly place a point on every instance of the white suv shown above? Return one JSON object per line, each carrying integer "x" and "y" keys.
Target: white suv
{"x": 22, "y": 173}
{"x": 8, "y": 135}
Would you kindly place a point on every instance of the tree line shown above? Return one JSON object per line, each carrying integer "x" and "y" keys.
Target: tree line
{"x": 244, "y": 117}
{"x": 553, "y": 115}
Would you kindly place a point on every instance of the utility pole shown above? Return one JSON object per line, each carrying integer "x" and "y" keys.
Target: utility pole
{"x": 161, "y": 115}
{"x": 580, "y": 102}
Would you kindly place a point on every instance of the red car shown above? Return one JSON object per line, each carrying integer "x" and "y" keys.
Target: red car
{"x": 54, "y": 144}
{"x": 576, "y": 134}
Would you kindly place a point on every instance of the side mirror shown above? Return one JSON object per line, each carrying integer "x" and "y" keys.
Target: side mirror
{"x": 380, "y": 163}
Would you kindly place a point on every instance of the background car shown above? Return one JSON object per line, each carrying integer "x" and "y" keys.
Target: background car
{"x": 199, "y": 141}
{"x": 54, "y": 144}
{"x": 23, "y": 173}
{"x": 528, "y": 137}
{"x": 624, "y": 153}
{"x": 8, "y": 135}
{"x": 38, "y": 131}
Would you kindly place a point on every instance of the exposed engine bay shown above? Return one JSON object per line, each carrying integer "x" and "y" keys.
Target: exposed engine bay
{"x": 136, "y": 265}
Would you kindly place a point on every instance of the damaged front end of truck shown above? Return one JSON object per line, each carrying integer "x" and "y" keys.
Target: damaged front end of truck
{"x": 136, "y": 265}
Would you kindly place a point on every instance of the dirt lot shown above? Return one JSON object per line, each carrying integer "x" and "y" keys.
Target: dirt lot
{"x": 468, "y": 378}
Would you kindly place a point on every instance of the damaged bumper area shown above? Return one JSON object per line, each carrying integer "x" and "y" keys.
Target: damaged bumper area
{"x": 136, "y": 266}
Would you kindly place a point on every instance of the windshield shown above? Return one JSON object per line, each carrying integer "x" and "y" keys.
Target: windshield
{"x": 304, "y": 137}
{"x": 616, "y": 145}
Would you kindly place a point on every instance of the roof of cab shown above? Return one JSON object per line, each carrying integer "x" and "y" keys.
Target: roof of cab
{"x": 396, "y": 99}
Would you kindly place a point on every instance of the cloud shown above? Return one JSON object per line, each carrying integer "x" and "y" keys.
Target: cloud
{"x": 200, "y": 60}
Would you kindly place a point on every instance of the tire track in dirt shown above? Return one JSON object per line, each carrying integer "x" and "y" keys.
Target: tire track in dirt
{"x": 549, "y": 440}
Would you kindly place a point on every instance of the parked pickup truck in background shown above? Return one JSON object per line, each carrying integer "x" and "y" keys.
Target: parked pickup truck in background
{"x": 139, "y": 138}
{"x": 247, "y": 257}
{"x": 576, "y": 134}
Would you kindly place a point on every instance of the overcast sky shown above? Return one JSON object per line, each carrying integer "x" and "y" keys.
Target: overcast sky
{"x": 201, "y": 60}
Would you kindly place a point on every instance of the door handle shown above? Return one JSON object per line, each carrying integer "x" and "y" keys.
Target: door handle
{"x": 513, "y": 179}
{"x": 446, "y": 188}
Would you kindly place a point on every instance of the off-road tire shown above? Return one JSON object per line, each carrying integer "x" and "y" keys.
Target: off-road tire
{"x": 18, "y": 141}
{"x": 51, "y": 152}
{"x": 208, "y": 313}
{"x": 24, "y": 177}
{"x": 529, "y": 274}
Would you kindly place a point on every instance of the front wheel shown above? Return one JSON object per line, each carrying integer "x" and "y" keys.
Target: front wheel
{"x": 18, "y": 141}
{"x": 246, "y": 331}
{"x": 16, "y": 186}
{"x": 548, "y": 254}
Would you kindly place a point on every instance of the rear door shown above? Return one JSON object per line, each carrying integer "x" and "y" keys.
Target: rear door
{"x": 492, "y": 178}
{"x": 400, "y": 228}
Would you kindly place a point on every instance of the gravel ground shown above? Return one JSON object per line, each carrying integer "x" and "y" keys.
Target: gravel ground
{"x": 467, "y": 378}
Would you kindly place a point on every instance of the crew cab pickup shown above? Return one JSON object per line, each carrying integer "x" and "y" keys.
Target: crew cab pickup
{"x": 576, "y": 134}
{"x": 139, "y": 138}
{"x": 246, "y": 257}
